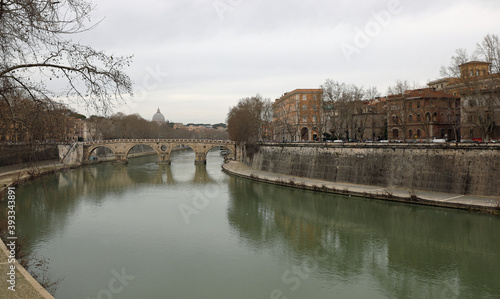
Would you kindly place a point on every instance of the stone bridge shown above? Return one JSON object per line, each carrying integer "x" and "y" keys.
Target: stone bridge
{"x": 163, "y": 147}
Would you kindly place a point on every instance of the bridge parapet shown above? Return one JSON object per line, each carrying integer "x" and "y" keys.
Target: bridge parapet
{"x": 159, "y": 140}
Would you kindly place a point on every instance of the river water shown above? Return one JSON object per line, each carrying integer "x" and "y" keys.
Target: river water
{"x": 183, "y": 231}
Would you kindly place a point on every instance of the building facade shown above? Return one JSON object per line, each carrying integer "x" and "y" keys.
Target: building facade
{"x": 298, "y": 116}
{"x": 479, "y": 91}
{"x": 423, "y": 115}
{"x": 369, "y": 120}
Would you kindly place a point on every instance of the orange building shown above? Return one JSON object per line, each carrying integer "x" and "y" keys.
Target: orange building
{"x": 298, "y": 116}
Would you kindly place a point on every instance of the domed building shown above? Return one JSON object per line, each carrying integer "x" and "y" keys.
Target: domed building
{"x": 159, "y": 117}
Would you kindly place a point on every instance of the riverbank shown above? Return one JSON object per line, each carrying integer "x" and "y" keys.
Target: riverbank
{"x": 473, "y": 203}
{"x": 26, "y": 287}
{"x": 15, "y": 174}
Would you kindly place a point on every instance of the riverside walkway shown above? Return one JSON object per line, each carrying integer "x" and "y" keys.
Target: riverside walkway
{"x": 26, "y": 287}
{"x": 460, "y": 201}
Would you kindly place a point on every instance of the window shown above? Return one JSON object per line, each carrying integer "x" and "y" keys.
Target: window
{"x": 419, "y": 118}
{"x": 434, "y": 116}
{"x": 315, "y": 119}
{"x": 419, "y": 133}
{"x": 410, "y": 119}
{"x": 418, "y": 104}
{"x": 304, "y": 119}
{"x": 457, "y": 118}
{"x": 304, "y": 97}
{"x": 428, "y": 117}
{"x": 315, "y": 97}
{"x": 304, "y": 106}
{"x": 449, "y": 118}
{"x": 395, "y": 133}
{"x": 410, "y": 133}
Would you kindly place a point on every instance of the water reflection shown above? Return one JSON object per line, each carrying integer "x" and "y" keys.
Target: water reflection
{"x": 49, "y": 203}
{"x": 405, "y": 250}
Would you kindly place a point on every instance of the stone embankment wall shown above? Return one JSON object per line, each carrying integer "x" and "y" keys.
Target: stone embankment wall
{"x": 25, "y": 153}
{"x": 465, "y": 169}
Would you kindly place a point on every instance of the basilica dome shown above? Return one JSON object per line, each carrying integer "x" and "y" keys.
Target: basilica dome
{"x": 158, "y": 117}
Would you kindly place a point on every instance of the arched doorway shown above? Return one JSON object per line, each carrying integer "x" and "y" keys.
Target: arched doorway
{"x": 395, "y": 134}
{"x": 304, "y": 134}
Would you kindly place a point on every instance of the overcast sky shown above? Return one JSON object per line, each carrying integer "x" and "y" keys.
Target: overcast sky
{"x": 194, "y": 59}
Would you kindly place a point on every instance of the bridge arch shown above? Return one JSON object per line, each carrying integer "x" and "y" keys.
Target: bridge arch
{"x": 180, "y": 145}
{"x": 90, "y": 151}
{"x": 228, "y": 148}
{"x": 129, "y": 149}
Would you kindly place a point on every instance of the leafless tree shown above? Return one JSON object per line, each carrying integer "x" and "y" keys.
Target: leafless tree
{"x": 333, "y": 93}
{"x": 244, "y": 121}
{"x": 339, "y": 105}
{"x": 318, "y": 118}
{"x": 286, "y": 120}
{"x": 374, "y": 124}
{"x": 489, "y": 51}
{"x": 37, "y": 55}
{"x": 480, "y": 94}
{"x": 267, "y": 116}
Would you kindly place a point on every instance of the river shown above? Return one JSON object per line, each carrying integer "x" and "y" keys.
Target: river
{"x": 183, "y": 231}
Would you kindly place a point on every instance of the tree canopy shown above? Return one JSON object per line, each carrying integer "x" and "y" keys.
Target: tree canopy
{"x": 247, "y": 120}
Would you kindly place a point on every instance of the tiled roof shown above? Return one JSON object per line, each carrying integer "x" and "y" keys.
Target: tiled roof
{"x": 424, "y": 93}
